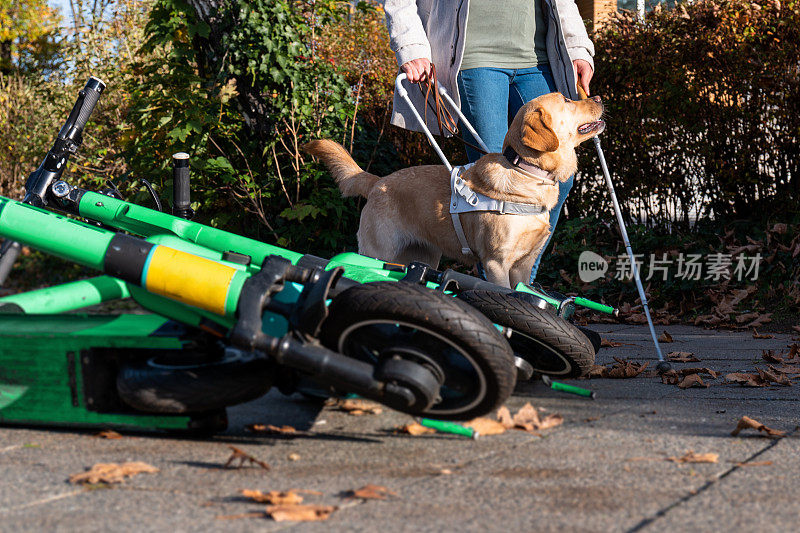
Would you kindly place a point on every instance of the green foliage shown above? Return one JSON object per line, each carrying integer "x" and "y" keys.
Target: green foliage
{"x": 702, "y": 300}
{"x": 27, "y": 36}
{"x": 241, "y": 94}
{"x": 702, "y": 112}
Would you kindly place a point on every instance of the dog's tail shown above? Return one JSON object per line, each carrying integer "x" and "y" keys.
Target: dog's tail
{"x": 352, "y": 181}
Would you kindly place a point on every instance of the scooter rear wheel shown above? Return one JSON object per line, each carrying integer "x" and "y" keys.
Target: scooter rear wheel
{"x": 472, "y": 360}
{"x": 549, "y": 343}
{"x": 155, "y": 387}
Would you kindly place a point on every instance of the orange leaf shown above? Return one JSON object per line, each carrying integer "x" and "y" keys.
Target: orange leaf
{"x": 486, "y": 426}
{"x": 415, "y": 429}
{"x": 748, "y": 423}
{"x": 691, "y": 457}
{"x": 665, "y": 337}
{"x": 373, "y": 492}
{"x": 682, "y": 357}
{"x": 692, "y": 380}
{"x": 275, "y": 497}
{"x": 300, "y": 512}
{"x": 269, "y": 429}
{"x": 112, "y": 472}
{"x": 108, "y": 434}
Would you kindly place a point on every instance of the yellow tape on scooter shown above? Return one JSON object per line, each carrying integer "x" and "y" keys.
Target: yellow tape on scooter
{"x": 188, "y": 278}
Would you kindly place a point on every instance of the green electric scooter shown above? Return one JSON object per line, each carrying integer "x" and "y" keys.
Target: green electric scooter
{"x": 231, "y": 318}
{"x": 194, "y": 344}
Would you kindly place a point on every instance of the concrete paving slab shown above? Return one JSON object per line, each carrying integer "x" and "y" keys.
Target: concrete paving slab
{"x": 604, "y": 469}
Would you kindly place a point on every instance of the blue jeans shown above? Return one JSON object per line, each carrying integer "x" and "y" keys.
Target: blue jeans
{"x": 490, "y": 97}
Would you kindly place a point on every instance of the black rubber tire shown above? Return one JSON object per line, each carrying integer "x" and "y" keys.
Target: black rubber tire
{"x": 593, "y": 337}
{"x": 192, "y": 389}
{"x": 475, "y": 337}
{"x": 563, "y": 351}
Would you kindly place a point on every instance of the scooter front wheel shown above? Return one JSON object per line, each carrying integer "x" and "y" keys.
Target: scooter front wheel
{"x": 549, "y": 343}
{"x": 384, "y": 321}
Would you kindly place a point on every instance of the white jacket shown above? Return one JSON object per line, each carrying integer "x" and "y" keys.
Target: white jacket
{"x": 434, "y": 29}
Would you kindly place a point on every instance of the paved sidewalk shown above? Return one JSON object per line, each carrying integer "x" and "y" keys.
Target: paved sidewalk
{"x": 604, "y": 469}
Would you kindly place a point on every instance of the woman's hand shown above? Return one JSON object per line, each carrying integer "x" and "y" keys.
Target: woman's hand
{"x": 583, "y": 72}
{"x": 417, "y": 69}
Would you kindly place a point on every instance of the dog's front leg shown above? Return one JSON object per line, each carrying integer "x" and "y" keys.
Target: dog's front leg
{"x": 496, "y": 272}
{"x": 521, "y": 271}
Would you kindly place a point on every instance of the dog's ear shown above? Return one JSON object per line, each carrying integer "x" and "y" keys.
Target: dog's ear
{"x": 537, "y": 131}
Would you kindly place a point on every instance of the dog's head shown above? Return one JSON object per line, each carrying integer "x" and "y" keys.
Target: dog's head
{"x": 552, "y": 123}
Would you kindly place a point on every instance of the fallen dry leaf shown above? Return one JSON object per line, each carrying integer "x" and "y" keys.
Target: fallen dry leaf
{"x": 415, "y": 429}
{"x": 624, "y": 369}
{"x": 486, "y": 426}
{"x": 746, "y": 317}
{"x": 697, "y": 370}
{"x": 260, "y": 514}
{"x": 607, "y": 343}
{"x": 748, "y": 423}
{"x": 670, "y": 377}
{"x": 691, "y": 457}
{"x": 746, "y": 380}
{"x": 794, "y": 351}
{"x": 773, "y": 376}
{"x": 372, "y": 492}
{"x": 108, "y": 434}
{"x": 527, "y": 419}
{"x": 754, "y": 463}
{"x": 112, "y": 472}
{"x": 551, "y": 421}
{"x": 300, "y": 512}
{"x": 787, "y": 369}
{"x": 597, "y": 371}
{"x": 682, "y": 357}
{"x": 665, "y": 337}
{"x": 692, "y": 380}
{"x": 269, "y": 429}
{"x": 760, "y": 321}
{"x": 757, "y": 335}
{"x": 275, "y": 497}
{"x": 771, "y": 357}
{"x": 357, "y": 407}
{"x": 243, "y": 457}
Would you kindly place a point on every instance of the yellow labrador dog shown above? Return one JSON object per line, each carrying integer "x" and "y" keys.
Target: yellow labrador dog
{"x": 407, "y": 216}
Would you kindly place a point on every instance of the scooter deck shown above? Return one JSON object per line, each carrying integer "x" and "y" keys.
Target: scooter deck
{"x": 60, "y": 370}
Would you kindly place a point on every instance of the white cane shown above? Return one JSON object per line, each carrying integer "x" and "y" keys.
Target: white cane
{"x": 663, "y": 366}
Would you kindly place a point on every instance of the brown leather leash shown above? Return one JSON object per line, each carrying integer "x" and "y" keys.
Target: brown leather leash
{"x": 444, "y": 119}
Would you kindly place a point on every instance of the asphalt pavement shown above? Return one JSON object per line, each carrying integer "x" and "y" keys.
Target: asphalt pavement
{"x": 605, "y": 468}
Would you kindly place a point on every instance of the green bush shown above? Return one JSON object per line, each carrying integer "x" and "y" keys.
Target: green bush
{"x": 241, "y": 94}
{"x": 703, "y": 104}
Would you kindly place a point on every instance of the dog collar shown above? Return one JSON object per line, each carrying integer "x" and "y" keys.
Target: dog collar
{"x": 527, "y": 168}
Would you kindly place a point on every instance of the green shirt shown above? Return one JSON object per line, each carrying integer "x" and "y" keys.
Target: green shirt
{"x": 505, "y": 33}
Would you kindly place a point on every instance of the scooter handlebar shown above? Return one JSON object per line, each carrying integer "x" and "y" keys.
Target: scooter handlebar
{"x": 69, "y": 138}
{"x": 79, "y": 116}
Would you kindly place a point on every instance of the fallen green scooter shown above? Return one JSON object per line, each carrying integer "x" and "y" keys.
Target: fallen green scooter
{"x": 166, "y": 364}
{"x": 232, "y": 317}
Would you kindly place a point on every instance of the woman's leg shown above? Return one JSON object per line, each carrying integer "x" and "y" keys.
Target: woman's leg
{"x": 526, "y": 85}
{"x": 484, "y": 101}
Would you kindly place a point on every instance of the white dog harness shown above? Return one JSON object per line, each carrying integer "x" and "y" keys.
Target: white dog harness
{"x": 464, "y": 200}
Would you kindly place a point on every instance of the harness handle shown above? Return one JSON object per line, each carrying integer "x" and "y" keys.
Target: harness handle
{"x": 444, "y": 119}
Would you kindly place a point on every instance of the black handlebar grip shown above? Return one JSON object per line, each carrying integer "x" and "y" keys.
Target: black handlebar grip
{"x": 181, "y": 188}
{"x": 83, "y": 108}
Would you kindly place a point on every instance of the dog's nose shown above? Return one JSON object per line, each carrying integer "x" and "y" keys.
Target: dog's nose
{"x": 597, "y": 99}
